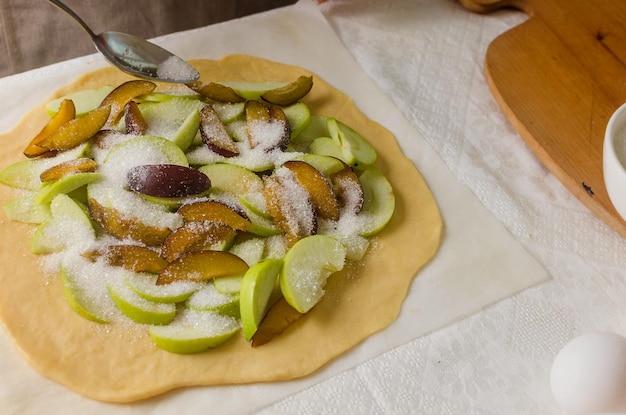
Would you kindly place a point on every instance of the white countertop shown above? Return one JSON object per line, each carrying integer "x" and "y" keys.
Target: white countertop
{"x": 493, "y": 353}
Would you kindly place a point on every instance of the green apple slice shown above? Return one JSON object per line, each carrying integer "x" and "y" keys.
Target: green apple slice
{"x": 22, "y": 175}
{"x": 183, "y": 137}
{"x": 194, "y": 332}
{"x": 239, "y": 181}
{"x": 69, "y": 225}
{"x": 307, "y": 266}
{"x": 326, "y": 146}
{"x": 379, "y": 201}
{"x": 24, "y": 209}
{"x": 84, "y": 101}
{"x": 357, "y": 152}
{"x": 256, "y": 290}
{"x": 79, "y": 300}
{"x": 228, "y": 285}
{"x": 317, "y": 127}
{"x": 208, "y": 298}
{"x": 250, "y": 250}
{"x": 253, "y": 90}
{"x": 229, "y": 112}
{"x": 137, "y": 308}
{"x": 65, "y": 185}
{"x": 324, "y": 163}
{"x": 165, "y": 96}
{"x": 145, "y": 285}
{"x": 137, "y": 151}
{"x": 299, "y": 117}
{"x": 176, "y": 119}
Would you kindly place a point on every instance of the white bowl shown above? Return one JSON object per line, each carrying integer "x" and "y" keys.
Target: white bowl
{"x": 614, "y": 160}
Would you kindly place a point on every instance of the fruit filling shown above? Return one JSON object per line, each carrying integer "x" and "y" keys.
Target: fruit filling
{"x": 198, "y": 213}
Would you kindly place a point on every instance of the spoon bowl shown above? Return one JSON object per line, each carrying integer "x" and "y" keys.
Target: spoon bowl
{"x": 137, "y": 56}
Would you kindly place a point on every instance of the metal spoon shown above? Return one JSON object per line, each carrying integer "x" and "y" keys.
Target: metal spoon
{"x": 136, "y": 56}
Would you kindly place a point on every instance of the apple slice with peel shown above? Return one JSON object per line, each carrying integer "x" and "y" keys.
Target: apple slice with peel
{"x": 22, "y": 175}
{"x": 137, "y": 308}
{"x": 378, "y": 201}
{"x": 253, "y": 90}
{"x": 137, "y": 151}
{"x": 257, "y": 287}
{"x": 307, "y": 266}
{"x": 326, "y": 146}
{"x": 68, "y": 226}
{"x": 64, "y": 185}
{"x": 229, "y": 112}
{"x": 316, "y": 127}
{"x": 176, "y": 119}
{"x": 251, "y": 251}
{"x": 326, "y": 164}
{"x": 24, "y": 209}
{"x": 237, "y": 180}
{"x": 299, "y": 117}
{"x": 79, "y": 300}
{"x": 202, "y": 266}
{"x": 145, "y": 285}
{"x": 84, "y": 100}
{"x": 208, "y": 298}
{"x": 194, "y": 332}
{"x": 357, "y": 152}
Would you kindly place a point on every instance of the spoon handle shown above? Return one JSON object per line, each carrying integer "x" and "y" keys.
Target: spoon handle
{"x": 70, "y": 12}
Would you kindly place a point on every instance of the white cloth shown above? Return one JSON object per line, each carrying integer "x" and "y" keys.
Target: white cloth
{"x": 426, "y": 56}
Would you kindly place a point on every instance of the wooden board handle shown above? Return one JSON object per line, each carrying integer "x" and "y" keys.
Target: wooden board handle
{"x": 486, "y": 6}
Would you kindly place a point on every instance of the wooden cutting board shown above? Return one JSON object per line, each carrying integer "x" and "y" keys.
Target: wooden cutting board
{"x": 558, "y": 77}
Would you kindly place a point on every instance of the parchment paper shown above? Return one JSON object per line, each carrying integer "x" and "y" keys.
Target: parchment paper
{"x": 478, "y": 264}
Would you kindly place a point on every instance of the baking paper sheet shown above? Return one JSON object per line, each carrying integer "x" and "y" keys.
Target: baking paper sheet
{"x": 478, "y": 264}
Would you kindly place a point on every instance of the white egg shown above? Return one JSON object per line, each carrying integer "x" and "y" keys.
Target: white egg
{"x": 589, "y": 374}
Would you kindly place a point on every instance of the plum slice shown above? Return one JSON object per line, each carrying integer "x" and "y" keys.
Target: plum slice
{"x": 79, "y": 165}
{"x": 216, "y": 211}
{"x": 320, "y": 190}
{"x": 196, "y": 236}
{"x": 267, "y": 126}
{"x": 216, "y": 92}
{"x": 66, "y": 113}
{"x": 349, "y": 189}
{"x": 215, "y": 135}
{"x": 120, "y": 96}
{"x": 77, "y": 131}
{"x": 134, "y": 120}
{"x": 202, "y": 266}
{"x": 290, "y": 93}
{"x": 135, "y": 258}
{"x": 290, "y": 205}
{"x": 167, "y": 180}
